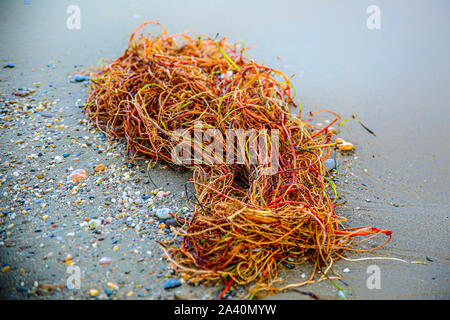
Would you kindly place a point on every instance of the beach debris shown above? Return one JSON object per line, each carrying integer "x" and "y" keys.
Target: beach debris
{"x": 245, "y": 223}
{"x": 21, "y": 93}
{"x": 59, "y": 159}
{"x": 163, "y": 213}
{"x": 79, "y": 78}
{"x": 78, "y": 175}
{"x": 344, "y": 145}
{"x": 93, "y": 292}
{"x": 161, "y": 194}
{"x": 99, "y": 167}
{"x": 355, "y": 118}
{"x": 172, "y": 283}
{"x": 331, "y": 163}
{"x": 94, "y": 223}
{"x": 105, "y": 261}
{"x": 6, "y": 269}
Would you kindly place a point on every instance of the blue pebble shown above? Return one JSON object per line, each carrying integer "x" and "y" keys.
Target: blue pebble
{"x": 79, "y": 78}
{"x": 330, "y": 164}
{"x": 108, "y": 291}
{"x": 172, "y": 283}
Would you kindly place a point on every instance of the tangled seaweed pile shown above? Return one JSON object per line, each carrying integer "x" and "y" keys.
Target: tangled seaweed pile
{"x": 245, "y": 222}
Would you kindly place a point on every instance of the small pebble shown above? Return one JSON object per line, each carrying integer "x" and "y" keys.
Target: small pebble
{"x": 105, "y": 261}
{"x": 344, "y": 145}
{"x": 163, "y": 213}
{"x": 93, "y": 292}
{"x": 79, "y": 78}
{"x": 78, "y": 175}
{"x": 99, "y": 168}
{"x": 172, "y": 283}
{"x": 59, "y": 159}
{"x": 5, "y": 269}
{"x": 330, "y": 164}
{"x": 94, "y": 224}
{"x": 21, "y": 93}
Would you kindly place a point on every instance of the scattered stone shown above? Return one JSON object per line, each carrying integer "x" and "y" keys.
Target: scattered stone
{"x": 330, "y": 164}
{"x": 161, "y": 194}
{"x": 52, "y": 287}
{"x": 112, "y": 285}
{"x": 94, "y": 224}
{"x": 21, "y": 93}
{"x": 163, "y": 213}
{"x": 79, "y": 78}
{"x": 183, "y": 294}
{"x": 47, "y": 115}
{"x": 105, "y": 261}
{"x": 172, "y": 283}
{"x": 59, "y": 159}
{"x": 332, "y": 130}
{"x": 78, "y": 175}
{"x": 344, "y": 145}
{"x": 99, "y": 167}
{"x": 5, "y": 269}
{"x": 93, "y": 292}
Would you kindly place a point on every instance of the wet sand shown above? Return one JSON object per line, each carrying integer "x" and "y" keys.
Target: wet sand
{"x": 396, "y": 79}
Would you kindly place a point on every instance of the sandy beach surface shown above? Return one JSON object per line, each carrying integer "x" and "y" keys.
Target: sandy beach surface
{"x": 396, "y": 79}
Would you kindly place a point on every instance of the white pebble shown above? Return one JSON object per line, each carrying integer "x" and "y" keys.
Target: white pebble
{"x": 59, "y": 159}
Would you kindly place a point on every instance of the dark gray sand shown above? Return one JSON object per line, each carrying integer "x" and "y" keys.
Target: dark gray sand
{"x": 396, "y": 79}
